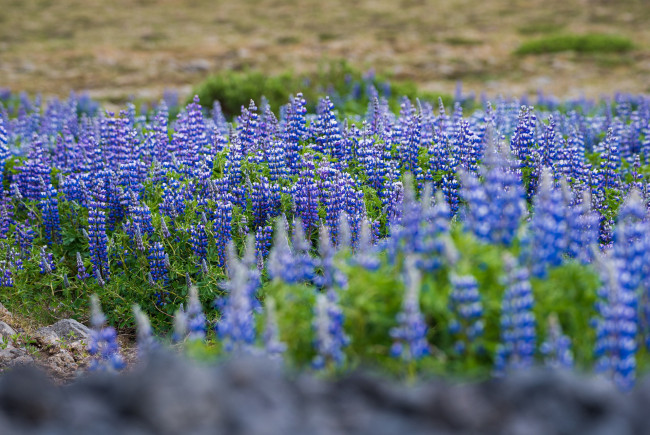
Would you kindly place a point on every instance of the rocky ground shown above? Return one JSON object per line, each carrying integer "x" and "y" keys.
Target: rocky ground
{"x": 58, "y": 349}
{"x": 169, "y": 395}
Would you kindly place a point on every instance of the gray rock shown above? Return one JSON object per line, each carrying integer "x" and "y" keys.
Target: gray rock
{"x": 6, "y": 331}
{"x": 64, "y": 330}
{"x": 169, "y": 395}
{"x": 13, "y": 356}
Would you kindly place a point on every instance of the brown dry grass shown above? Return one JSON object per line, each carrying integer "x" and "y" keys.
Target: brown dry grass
{"x": 119, "y": 48}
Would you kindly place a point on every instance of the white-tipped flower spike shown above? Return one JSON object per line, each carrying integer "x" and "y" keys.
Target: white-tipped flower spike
{"x": 345, "y": 235}
{"x": 168, "y": 264}
{"x": 138, "y": 238}
{"x": 98, "y": 276}
{"x": 272, "y": 344}
{"x": 450, "y": 252}
{"x": 204, "y": 267}
{"x": 249, "y": 258}
{"x": 280, "y": 259}
{"x": 145, "y": 333}
{"x": 163, "y": 228}
{"x": 180, "y": 325}
{"x": 66, "y": 283}
{"x": 194, "y": 316}
{"x": 410, "y": 342}
{"x": 97, "y": 318}
{"x": 188, "y": 280}
{"x": 231, "y": 257}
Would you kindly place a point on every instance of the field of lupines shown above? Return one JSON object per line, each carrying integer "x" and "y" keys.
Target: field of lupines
{"x": 425, "y": 241}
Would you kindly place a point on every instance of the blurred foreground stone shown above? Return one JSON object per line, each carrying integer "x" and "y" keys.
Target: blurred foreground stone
{"x": 169, "y": 395}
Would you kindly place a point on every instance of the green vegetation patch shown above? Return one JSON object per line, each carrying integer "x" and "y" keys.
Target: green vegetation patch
{"x": 347, "y": 86}
{"x": 589, "y": 43}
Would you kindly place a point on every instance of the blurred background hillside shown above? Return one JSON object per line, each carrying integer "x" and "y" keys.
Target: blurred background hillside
{"x": 119, "y": 49}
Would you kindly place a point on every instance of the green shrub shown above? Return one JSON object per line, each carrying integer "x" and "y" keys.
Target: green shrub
{"x": 590, "y": 43}
{"x": 345, "y": 85}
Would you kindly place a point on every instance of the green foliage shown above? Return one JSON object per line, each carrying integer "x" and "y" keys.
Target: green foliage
{"x": 589, "y": 43}
{"x": 344, "y": 84}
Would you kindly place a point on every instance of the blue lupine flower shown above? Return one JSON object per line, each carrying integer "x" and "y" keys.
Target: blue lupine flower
{"x": 304, "y": 264}
{"x": 465, "y": 303}
{"x": 236, "y": 327}
{"x": 97, "y": 240}
{"x": 102, "y": 344}
{"x": 196, "y": 322}
{"x": 365, "y": 254}
{"x": 295, "y": 131}
{"x": 617, "y": 324}
{"x": 49, "y": 207}
{"x": 518, "y": 336}
{"x": 47, "y": 262}
{"x": 199, "y": 242}
{"x": 159, "y": 269}
{"x": 281, "y": 263}
{"x": 557, "y": 346}
{"x": 306, "y": 194}
{"x": 330, "y": 336}
{"x": 410, "y": 336}
{"x": 331, "y": 276}
{"x": 583, "y": 226}
{"x": 630, "y": 239}
{"x": 82, "y": 275}
{"x": 548, "y": 227}
{"x": 6, "y": 279}
{"x": 263, "y": 237}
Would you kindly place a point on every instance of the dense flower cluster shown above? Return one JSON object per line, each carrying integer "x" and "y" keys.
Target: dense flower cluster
{"x": 131, "y": 198}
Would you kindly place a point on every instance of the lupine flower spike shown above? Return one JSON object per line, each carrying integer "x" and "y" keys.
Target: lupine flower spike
{"x": 102, "y": 344}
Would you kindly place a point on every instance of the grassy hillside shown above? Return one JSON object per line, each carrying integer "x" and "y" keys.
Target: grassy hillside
{"x": 140, "y": 47}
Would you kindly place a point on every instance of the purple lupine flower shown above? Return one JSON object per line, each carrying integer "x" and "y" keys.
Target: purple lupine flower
{"x": 617, "y": 324}
{"x": 331, "y": 276}
{"x": 328, "y": 134}
{"x": 583, "y": 226}
{"x": 523, "y": 139}
{"x": 281, "y": 263}
{"x": 199, "y": 242}
{"x": 102, "y": 344}
{"x": 518, "y": 336}
{"x": 6, "y": 279}
{"x": 97, "y": 240}
{"x": 159, "y": 270}
{"x": 295, "y": 131}
{"x": 330, "y": 336}
{"x": 263, "y": 237}
{"x": 557, "y": 346}
{"x": 410, "y": 336}
{"x": 465, "y": 303}
{"x": 304, "y": 264}
{"x": 630, "y": 239}
{"x": 82, "y": 275}
{"x": 46, "y": 261}
{"x": 163, "y": 228}
{"x": 305, "y": 194}
{"x": 236, "y": 327}
{"x": 365, "y": 254}
{"x": 548, "y": 227}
